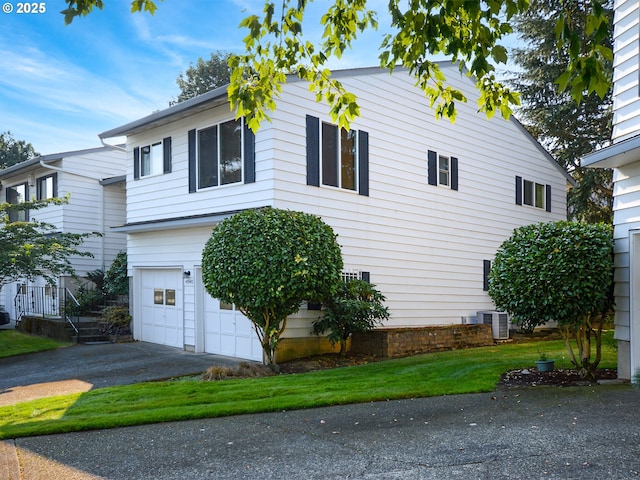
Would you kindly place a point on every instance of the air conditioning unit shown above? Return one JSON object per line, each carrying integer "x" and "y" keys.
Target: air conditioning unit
{"x": 499, "y": 322}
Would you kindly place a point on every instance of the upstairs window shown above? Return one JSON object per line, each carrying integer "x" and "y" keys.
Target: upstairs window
{"x": 534, "y": 194}
{"x": 220, "y": 154}
{"x": 442, "y": 170}
{"x": 15, "y": 195}
{"x": 47, "y": 187}
{"x": 152, "y": 159}
{"x": 339, "y": 167}
{"x": 337, "y": 157}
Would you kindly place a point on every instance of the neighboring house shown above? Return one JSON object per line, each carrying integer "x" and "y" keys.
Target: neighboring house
{"x": 95, "y": 180}
{"x": 420, "y": 205}
{"x": 624, "y": 157}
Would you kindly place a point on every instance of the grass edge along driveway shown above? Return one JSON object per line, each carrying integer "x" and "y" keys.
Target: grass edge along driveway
{"x": 445, "y": 373}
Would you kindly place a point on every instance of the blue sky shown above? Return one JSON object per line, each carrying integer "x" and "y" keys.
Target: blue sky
{"x": 62, "y": 85}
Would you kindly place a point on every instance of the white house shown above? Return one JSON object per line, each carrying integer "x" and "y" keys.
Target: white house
{"x": 419, "y": 205}
{"x": 94, "y": 179}
{"x": 624, "y": 157}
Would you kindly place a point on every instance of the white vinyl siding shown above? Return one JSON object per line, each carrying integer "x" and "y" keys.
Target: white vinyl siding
{"x": 167, "y": 196}
{"x": 89, "y": 209}
{"x": 424, "y": 247}
{"x": 626, "y": 90}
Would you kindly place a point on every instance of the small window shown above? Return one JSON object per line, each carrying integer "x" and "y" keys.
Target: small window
{"x": 151, "y": 160}
{"x": 533, "y": 194}
{"x": 226, "y": 306}
{"x": 158, "y": 296}
{"x": 46, "y": 187}
{"x": 15, "y": 195}
{"x": 170, "y": 297}
{"x": 442, "y": 170}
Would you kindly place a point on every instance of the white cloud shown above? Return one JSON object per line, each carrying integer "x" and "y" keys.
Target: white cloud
{"x": 59, "y": 85}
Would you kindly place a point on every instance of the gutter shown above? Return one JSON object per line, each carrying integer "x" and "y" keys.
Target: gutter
{"x": 113, "y": 147}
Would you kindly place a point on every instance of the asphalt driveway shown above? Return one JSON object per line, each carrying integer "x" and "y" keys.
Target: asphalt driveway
{"x": 534, "y": 433}
{"x": 85, "y": 367}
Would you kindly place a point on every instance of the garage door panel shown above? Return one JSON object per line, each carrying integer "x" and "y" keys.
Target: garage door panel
{"x": 161, "y": 299}
{"x": 228, "y": 332}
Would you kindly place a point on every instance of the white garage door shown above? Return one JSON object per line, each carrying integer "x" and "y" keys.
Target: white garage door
{"x": 161, "y": 302}
{"x": 228, "y": 332}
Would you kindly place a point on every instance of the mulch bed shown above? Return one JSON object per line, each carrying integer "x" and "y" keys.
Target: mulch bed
{"x": 559, "y": 378}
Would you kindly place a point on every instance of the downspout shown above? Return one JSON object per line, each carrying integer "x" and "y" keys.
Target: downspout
{"x": 102, "y": 205}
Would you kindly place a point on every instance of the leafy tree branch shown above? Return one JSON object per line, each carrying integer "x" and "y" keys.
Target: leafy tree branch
{"x": 469, "y": 32}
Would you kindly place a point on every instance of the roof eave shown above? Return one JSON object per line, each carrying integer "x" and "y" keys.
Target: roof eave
{"x": 207, "y": 100}
{"x": 614, "y": 156}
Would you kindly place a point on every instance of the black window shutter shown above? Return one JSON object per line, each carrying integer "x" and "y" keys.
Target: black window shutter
{"x": 249, "y": 155}
{"x": 548, "y": 199}
{"x": 366, "y": 276}
{"x": 166, "y": 154}
{"x": 486, "y": 268}
{"x": 518, "y": 190}
{"x": 192, "y": 160}
{"x": 454, "y": 173}
{"x": 136, "y": 163}
{"x": 313, "y": 151}
{"x": 432, "y": 167}
{"x": 363, "y": 163}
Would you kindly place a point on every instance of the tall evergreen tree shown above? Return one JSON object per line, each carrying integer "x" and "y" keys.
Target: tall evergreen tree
{"x": 14, "y": 151}
{"x": 567, "y": 129}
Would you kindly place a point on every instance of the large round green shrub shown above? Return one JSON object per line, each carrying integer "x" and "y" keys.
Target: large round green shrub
{"x": 267, "y": 262}
{"x": 559, "y": 271}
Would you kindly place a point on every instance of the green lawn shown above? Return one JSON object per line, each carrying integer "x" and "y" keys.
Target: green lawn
{"x": 446, "y": 373}
{"x": 14, "y": 343}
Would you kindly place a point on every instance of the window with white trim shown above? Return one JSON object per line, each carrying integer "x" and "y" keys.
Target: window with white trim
{"x": 47, "y": 186}
{"x": 18, "y": 194}
{"x": 339, "y": 157}
{"x": 220, "y": 154}
{"x": 443, "y": 171}
{"x": 151, "y": 159}
{"x": 533, "y": 194}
